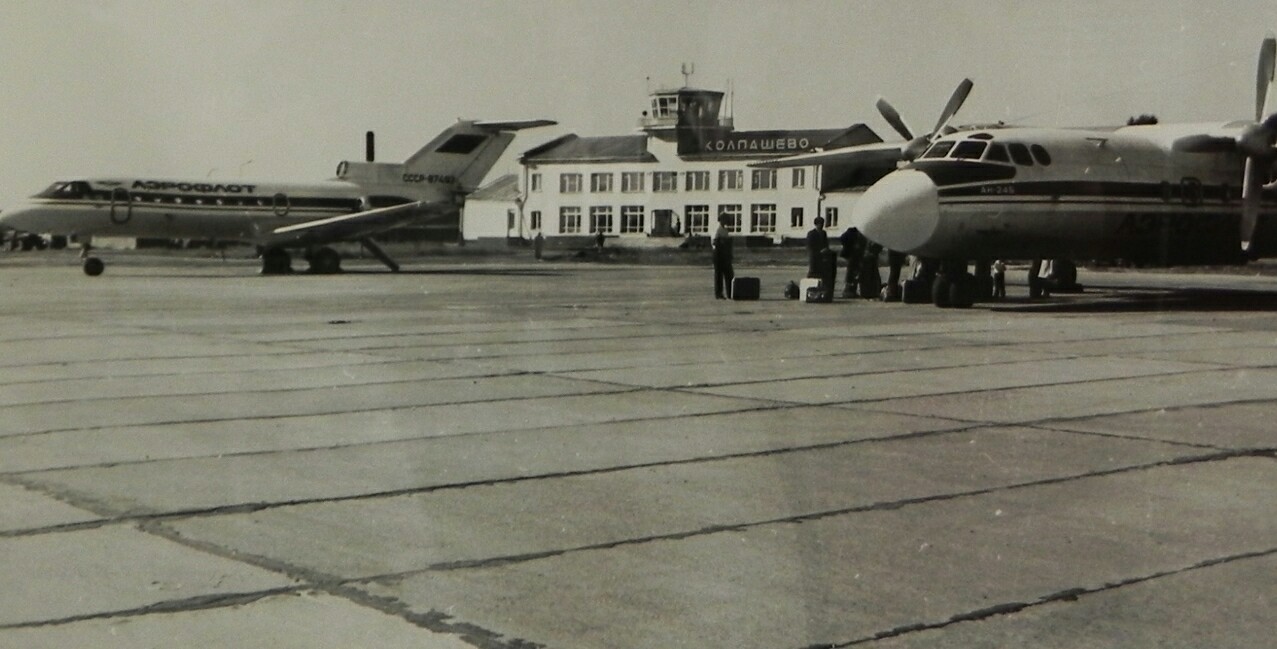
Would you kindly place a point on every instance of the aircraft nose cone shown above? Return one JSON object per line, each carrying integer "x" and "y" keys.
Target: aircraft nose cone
{"x": 17, "y": 219}
{"x": 901, "y": 211}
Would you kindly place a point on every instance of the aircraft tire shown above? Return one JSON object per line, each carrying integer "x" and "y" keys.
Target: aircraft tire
{"x": 961, "y": 292}
{"x": 325, "y": 261}
{"x": 93, "y": 266}
{"x": 276, "y": 261}
{"x": 940, "y": 290}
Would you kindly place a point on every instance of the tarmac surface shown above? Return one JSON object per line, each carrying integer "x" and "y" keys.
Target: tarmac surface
{"x": 573, "y": 455}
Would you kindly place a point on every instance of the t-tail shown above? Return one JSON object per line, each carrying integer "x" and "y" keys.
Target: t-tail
{"x": 453, "y": 163}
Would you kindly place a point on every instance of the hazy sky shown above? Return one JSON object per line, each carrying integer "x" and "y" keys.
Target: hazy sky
{"x": 283, "y": 90}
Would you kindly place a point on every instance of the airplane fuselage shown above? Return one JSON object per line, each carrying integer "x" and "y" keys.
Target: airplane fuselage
{"x": 190, "y": 209}
{"x": 1025, "y": 193}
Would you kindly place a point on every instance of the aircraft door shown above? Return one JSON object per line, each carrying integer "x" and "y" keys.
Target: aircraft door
{"x": 121, "y": 206}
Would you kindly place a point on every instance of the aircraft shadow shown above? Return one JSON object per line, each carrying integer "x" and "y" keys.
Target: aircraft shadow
{"x": 1117, "y": 300}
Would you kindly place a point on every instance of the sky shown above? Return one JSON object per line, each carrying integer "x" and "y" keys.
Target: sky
{"x": 283, "y": 90}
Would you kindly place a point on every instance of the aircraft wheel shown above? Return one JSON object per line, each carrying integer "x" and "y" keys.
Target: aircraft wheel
{"x": 940, "y": 289}
{"x": 325, "y": 261}
{"x": 961, "y": 292}
{"x": 93, "y": 266}
{"x": 276, "y": 261}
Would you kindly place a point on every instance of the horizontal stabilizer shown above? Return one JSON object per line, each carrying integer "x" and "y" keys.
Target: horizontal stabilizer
{"x": 357, "y": 225}
{"x": 515, "y": 125}
{"x": 882, "y": 154}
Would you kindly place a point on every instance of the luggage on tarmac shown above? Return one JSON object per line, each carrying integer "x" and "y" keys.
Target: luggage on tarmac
{"x": 745, "y": 288}
{"x": 813, "y": 289}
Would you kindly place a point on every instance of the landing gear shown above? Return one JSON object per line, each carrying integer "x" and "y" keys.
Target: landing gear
{"x": 953, "y": 286}
{"x": 276, "y": 261}
{"x": 92, "y": 265}
{"x": 324, "y": 261}
{"x": 918, "y": 288}
{"x": 892, "y": 291}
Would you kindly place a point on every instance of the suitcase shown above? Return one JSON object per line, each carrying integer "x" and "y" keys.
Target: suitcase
{"x": 812, "y": 289}
{"x": 745, "y": 288}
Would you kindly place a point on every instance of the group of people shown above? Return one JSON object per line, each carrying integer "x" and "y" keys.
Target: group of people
{"x": 860, "y": 253}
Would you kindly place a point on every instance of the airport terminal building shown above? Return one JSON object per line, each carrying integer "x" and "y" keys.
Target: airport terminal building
{"x": 685, "y": 166}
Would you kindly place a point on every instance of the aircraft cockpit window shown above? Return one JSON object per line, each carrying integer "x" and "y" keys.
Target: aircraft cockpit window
{"x": 969, "y": 150}
{"x": 997, "y": 153}
{"x": 1020, "y": 154}
{"x": 1040, "y": 154}
{"x": 75, "y": 189}
{"x": 938, "y": 150}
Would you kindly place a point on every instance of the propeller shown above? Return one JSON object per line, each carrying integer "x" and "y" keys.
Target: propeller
{"x": 1257, "y": 141}
{"x": 916, "y": 145}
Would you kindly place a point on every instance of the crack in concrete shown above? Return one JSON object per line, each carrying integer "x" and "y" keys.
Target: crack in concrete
{"x": 489, "y": 562}
{"x": 196, "y": 603}
{"x": 1067, "y": 595}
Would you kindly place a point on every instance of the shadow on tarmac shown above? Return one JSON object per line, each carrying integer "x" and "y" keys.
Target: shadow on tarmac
{"x": 1129, "y": 300}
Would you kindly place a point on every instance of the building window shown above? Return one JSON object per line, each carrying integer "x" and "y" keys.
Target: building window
{"x": 697, "y": 218}
{"x": 600, "y": 183}
{"x": 731, "y": 179}
{"x": 762, "y": 218}
{"x": 632, "y": 181}
{"x": 601, "y": 219}
{"x": 569, "y": 220}
{"x": 631, "y": 219}
{"x": 569, "y": 183}
{"x": 664, "y": 181}
{"x": 698, "y": 181}
{"x": 831, "y": 217}
{"x": 536, "y": 219}
{"x": 534, "y": 183}
{"x": 796, "y": 217}
{"x": 800, "y": 177}
{"x": 509, "y": 219}
{"x": 732, "y": 214}
{"x": 764, "y": 179}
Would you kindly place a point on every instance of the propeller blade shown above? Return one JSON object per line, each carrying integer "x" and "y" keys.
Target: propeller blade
{"x": 1267, "y": 65}
{"x": 1252, "y": 194}
{"x": 1203, "y": 143}
{"x": 893, "y": 118}
{"x": 955, "y": 102}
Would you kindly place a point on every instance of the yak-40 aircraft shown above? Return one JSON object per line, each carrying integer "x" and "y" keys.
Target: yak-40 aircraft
{"x": 364, "y": 199}
{"x": 1156, "y": 194}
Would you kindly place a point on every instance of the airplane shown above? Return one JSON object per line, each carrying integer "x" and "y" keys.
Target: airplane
{"x": 365, "y": 198}
{"x": 1156, "y": 194}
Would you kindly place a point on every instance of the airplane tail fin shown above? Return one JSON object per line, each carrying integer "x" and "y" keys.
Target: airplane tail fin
{"x": 463, "y": 154}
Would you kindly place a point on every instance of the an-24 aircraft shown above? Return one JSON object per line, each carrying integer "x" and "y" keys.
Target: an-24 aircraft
{"x": 1159, "y": 194}
{"x": 364, "y": 199}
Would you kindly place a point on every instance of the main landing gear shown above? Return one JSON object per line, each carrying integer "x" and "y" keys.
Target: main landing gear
{"x": 322, "y": 261}
{"x": 92, "y": 265}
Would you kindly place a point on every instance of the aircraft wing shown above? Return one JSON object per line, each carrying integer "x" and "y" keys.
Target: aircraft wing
{"x": 881, "y": 154}
{"x": 515, "y": 125}
{"x": 357, "y": 225}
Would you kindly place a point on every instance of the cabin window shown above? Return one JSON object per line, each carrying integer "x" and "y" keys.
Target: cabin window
{"x": 969, "y": 150}
{"x": 1020, "y": 154}
{"x": 1040, "y": 154}
{"x": 997, "y": 153}
{"x": 938, "y": 150}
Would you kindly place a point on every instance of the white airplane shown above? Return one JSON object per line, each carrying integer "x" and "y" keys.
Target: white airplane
{"x": 364, "y": 199}
{"x": 1158, "y": 194}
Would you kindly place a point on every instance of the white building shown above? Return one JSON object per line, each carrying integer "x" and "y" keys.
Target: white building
{"x": 685, "y": 166}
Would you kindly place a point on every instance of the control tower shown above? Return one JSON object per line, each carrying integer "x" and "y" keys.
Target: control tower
{"x": 685, "y": 109}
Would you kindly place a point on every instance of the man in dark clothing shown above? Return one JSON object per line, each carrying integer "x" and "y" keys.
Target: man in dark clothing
{"x": 817, "y": 241}
{"x": 723, "y": 274}
{"x": 853, "y": 249}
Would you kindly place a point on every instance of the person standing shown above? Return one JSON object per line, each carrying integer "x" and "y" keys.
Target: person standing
{"x": 723, "y": 273}
{"x": 999, "y": 278}
{"x": 538, "y": 243}
{"x": 853, "y": 249}
{"x": 817, "y": 243}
